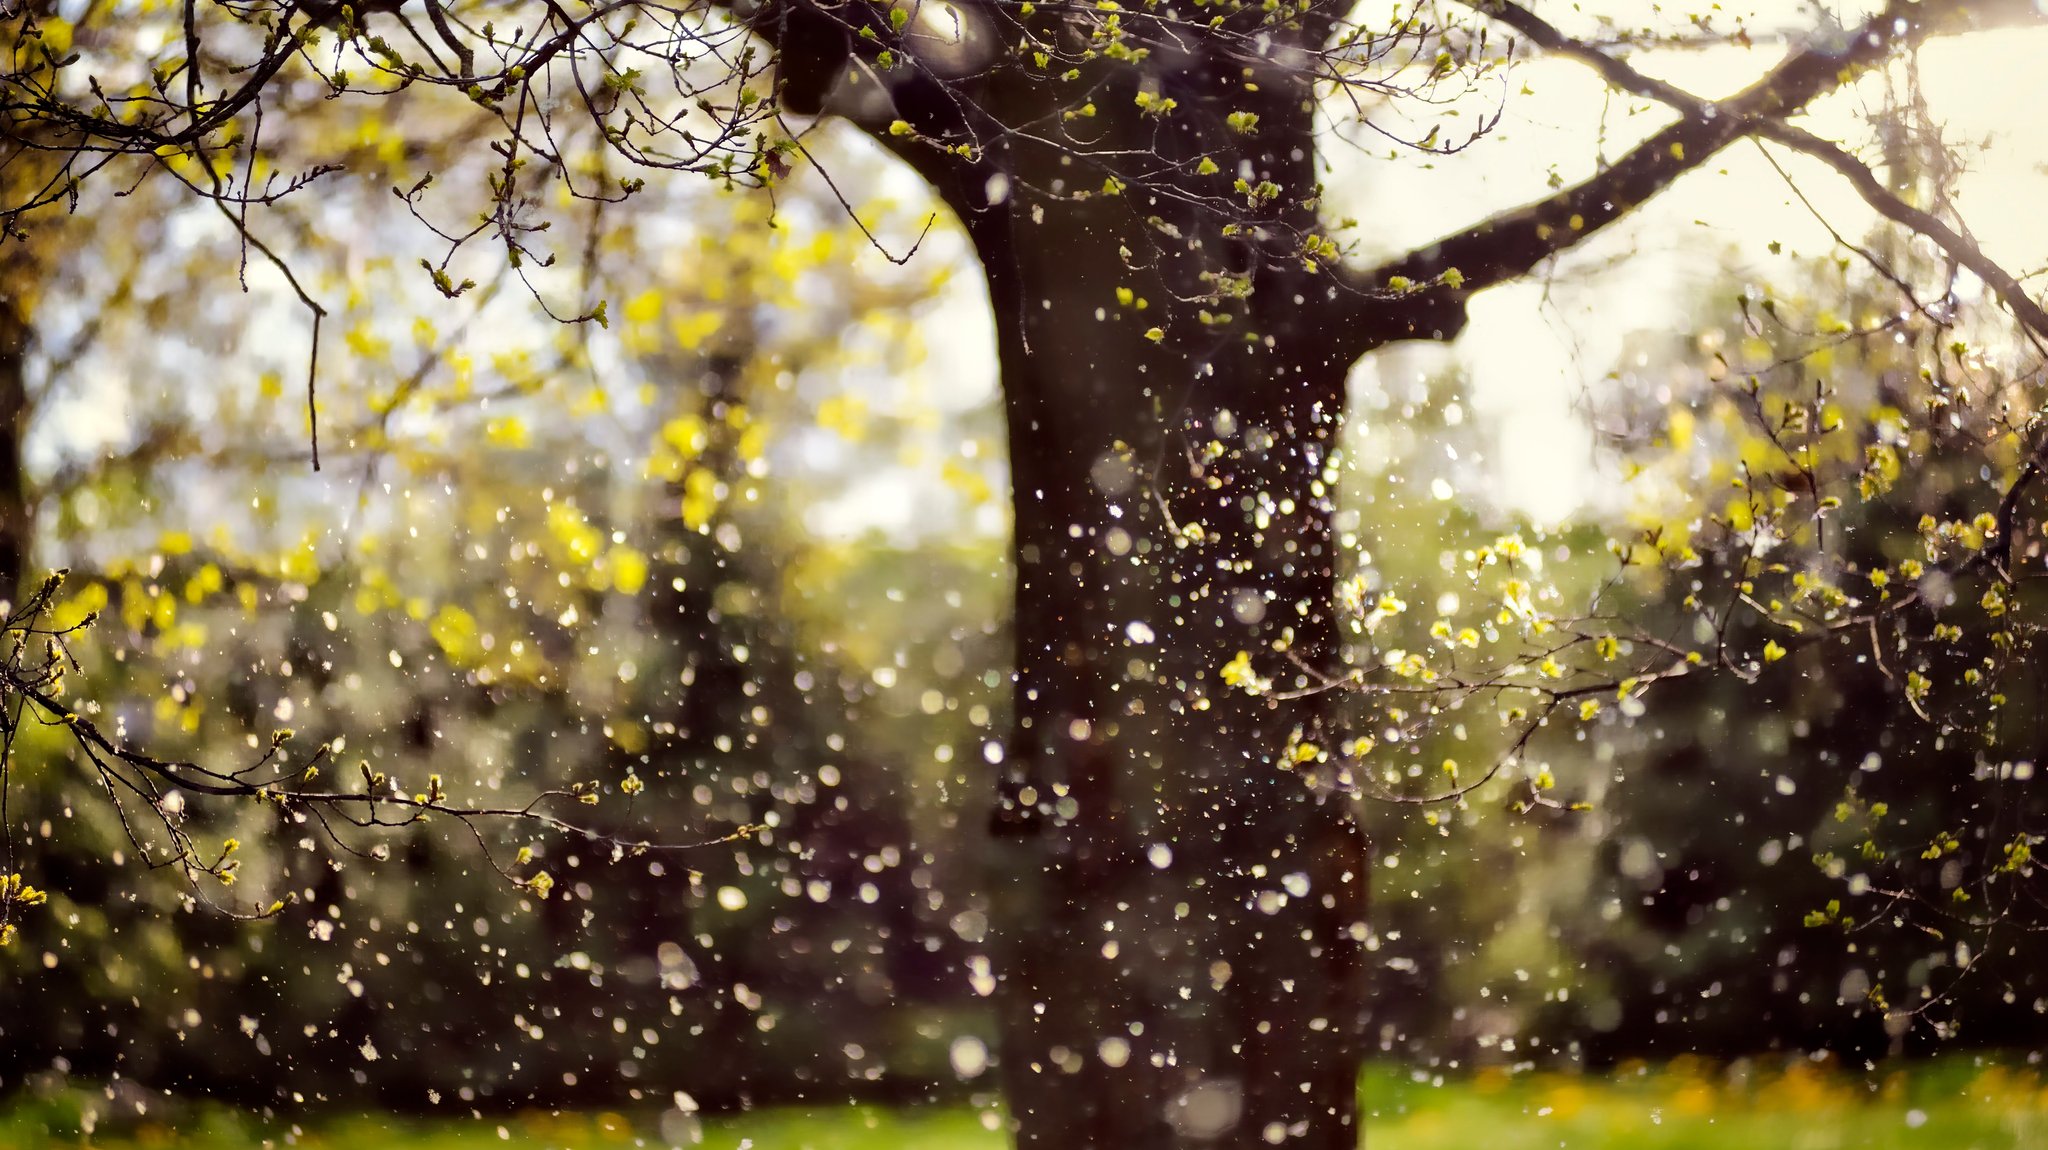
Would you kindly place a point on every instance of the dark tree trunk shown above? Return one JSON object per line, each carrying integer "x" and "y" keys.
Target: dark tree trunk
{"x": 1180, "y": 918}
{"x": 18, "y": 279}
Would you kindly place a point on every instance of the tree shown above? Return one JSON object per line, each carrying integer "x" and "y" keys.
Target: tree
{"x": 556, "y": 662}
{"x": 1181, "y": 924}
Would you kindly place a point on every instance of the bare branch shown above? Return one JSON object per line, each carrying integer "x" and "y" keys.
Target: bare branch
{"x": 1513, "y": 243}
{"x": 1952, "y": 243}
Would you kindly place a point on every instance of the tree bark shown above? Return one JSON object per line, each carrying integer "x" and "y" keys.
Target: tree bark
{"x": 1179, "y": 919}
{"x": 19, "y": 277}
{"x": 1182, "y": 919}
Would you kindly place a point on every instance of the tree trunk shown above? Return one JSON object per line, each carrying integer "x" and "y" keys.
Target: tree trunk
{"x": 19, "y": 273}
{"x": 1180, "y": 918}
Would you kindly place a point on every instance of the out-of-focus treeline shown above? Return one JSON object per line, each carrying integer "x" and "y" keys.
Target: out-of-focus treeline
{"x": 736, "y": 560}
{"x": 1788, "y": 860}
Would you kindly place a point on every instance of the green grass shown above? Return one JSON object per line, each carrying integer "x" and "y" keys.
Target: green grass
{"x": 1959, "y": 1104}
{"x": 1955, "y": 1105}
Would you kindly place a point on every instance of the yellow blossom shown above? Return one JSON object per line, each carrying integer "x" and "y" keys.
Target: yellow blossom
{"x": 1238, "y": 673}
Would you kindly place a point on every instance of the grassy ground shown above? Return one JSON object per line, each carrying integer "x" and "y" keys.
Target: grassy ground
{"x": 1961, "y": 1104}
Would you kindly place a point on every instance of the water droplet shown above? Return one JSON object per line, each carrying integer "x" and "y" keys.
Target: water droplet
{"x": 969, "y": 1056}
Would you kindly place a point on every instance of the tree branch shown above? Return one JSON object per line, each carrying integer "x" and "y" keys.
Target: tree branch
{"x": 1513, "y": 243}
{"x": 1954, "y": 244}
{"x": 1880, "y": 198}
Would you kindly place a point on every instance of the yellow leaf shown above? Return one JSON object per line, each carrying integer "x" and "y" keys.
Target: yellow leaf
{"x": 644, "y": 308}
{"x": 692, "y": 331}
{"x": 629, "y": 569}
{"x": 506, "y": 431}
{"x": 574, "y": 532}
{"x": 455, "y": 631}
{"x": 700, "y": 498}
{"x": 845, "y": 415}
